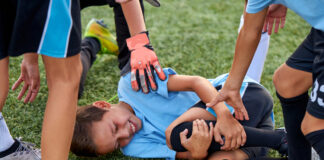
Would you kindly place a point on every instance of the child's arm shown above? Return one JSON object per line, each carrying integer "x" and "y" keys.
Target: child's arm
{"x": 142, "y": 54}
{"x": 227, "y": 126}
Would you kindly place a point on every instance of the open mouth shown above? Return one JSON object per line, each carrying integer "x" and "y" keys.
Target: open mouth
{"x": 132, "y": 126}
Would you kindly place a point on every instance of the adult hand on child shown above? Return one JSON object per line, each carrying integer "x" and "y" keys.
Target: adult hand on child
{"x": 276, "y": 13}
{"x": 30, "y": 76}
{"x": 143, "y": 63}
{"x": 232, "y": 98}
{"x": 232, "y": 130}
{"x": 200, "y": 139}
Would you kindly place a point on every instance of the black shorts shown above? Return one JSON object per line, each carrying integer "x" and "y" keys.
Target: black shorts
{"x": 48, "y": 27}
{"x": 259, "y": 105}
{"x": 309, "y": 57}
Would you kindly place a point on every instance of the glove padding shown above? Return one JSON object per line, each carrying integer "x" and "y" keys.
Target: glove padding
{"x": 143, "y": 63}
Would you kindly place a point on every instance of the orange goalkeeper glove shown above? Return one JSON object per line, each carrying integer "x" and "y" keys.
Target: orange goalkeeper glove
{"x": 143, "y": 63}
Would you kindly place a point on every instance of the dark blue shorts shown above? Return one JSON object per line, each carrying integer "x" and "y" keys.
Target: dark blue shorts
{"x": 48, "y": 27}
{"x": 309, "y": 57}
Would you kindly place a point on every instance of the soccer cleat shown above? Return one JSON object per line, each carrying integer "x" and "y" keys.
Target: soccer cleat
{"x": 97, "y": 29}
{"x": 315, "y": 155}
{"x": 25, "y": 151}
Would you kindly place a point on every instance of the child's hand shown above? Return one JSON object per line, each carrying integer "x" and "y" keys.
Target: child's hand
{"x": 199, "y": 141}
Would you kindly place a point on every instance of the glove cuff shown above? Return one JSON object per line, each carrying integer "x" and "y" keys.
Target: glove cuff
{"x": 137, "y": 41}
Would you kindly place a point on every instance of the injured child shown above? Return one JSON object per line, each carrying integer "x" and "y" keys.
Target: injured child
{"x": 159, "y": 124}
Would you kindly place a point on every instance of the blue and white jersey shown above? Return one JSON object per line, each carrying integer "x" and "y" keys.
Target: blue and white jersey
{"x": 312, "y": 11}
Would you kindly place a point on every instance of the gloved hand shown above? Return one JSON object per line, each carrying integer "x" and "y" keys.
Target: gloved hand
{"x": 143, "y": 63}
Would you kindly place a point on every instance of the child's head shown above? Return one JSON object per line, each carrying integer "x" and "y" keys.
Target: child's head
{"x": 101, "y": 128}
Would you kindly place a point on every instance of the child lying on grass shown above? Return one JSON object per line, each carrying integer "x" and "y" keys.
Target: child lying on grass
{"x": 139, "y": 123}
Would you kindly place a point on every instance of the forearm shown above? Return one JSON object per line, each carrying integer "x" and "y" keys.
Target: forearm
{"x": 30, "y": 58}
{"x": 134, "y": 16}
{"x": 206, "y": 92}
{"x": 246, "y": 45}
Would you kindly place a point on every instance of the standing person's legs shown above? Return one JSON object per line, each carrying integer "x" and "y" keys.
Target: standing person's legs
{"x": 63, "y": 76}
{"x": 292, "y": 81}
{"x": 313, "y": 123}
{"x": 89, "y": 49}
{"x": 6, "y": 139}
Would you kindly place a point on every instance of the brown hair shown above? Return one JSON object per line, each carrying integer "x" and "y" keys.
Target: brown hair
{"x": 82, "y": 142}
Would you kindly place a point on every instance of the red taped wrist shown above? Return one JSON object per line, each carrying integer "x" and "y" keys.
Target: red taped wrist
{"x": 137, "y": 41}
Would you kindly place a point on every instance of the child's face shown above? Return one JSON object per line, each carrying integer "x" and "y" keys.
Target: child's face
{"x": 115, "y": 130}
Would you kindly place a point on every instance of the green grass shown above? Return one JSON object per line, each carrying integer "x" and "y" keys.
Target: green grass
{"x": 194, "y": 37}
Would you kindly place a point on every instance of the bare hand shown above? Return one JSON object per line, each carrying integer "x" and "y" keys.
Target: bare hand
{"x": 233, "y": 132}
{"x": 199, "y": 141}
{"x": 232, "y": 98}
{"x": 30, "y": 76}
{"x": 276, "y": 14}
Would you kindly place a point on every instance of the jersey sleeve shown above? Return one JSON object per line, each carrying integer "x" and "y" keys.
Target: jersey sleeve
{"x": 255, "y": 6}
{"x": 126, "y": 93}
{"x": 148, "y": 150}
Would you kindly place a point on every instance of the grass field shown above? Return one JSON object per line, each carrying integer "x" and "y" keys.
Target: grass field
{"x": 195, "y": 37}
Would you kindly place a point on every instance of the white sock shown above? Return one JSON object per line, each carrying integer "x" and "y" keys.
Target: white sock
{"x": 6, "y": 139}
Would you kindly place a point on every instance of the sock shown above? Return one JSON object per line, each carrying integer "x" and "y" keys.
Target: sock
{"x": 293, "y": 111}
{"x": 316, "y": 139}
{"x": 10, "y": 150}
{"x": 6, "y": 139}
{"x": 255, "y": 137}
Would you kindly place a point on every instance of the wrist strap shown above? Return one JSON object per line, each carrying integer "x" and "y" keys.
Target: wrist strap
{"x": 137, "y": 41}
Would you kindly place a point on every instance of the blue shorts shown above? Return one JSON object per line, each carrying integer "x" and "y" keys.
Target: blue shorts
{"x": 309, "y": 57}
{"x": 47, "y": 27}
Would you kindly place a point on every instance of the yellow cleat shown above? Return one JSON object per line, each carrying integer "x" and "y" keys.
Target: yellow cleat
{"x": 97, "y": 29}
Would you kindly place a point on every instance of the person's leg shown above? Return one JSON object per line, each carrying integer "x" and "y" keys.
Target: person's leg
{"x": 292, "y": 81}
{"x": 313, "y": 123}
{"x": 63, "y": 77}
{"x": 256, "y": 67}
{"x": 89, "y": 49}
{"x": 255, "y": 138}
{"x": 6, "y": 139}
{"x": 294, "y": 101}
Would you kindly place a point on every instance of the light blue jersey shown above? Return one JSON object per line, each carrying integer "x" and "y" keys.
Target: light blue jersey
{"x": 310, "y": 10}
{"x": 157, "y": 110}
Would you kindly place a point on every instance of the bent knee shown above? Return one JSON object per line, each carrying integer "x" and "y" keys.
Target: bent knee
{"x": 291, "y": 82}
